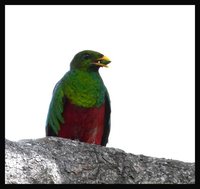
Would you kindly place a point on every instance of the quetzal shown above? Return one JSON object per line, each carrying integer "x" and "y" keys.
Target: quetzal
{"x": 80, "y": 105}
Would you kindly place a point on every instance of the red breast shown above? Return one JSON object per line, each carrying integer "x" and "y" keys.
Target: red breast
{"x": 84, "y": 124}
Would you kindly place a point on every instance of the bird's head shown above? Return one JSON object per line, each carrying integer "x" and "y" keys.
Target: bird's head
{"x": 88, "y": 60}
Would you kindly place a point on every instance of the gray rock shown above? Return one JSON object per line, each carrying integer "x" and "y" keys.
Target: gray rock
{"x": 53, "y": 160}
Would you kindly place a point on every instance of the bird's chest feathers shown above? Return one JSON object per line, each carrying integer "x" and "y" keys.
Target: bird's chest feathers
{"x": 85, "y": 89}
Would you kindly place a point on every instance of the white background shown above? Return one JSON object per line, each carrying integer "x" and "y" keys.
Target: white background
{"x": 150, "y": 78}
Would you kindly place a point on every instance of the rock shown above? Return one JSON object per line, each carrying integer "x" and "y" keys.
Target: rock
{"x": 53, "y": 160}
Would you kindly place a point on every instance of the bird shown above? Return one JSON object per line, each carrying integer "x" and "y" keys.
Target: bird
{"x": 80, "y": 105}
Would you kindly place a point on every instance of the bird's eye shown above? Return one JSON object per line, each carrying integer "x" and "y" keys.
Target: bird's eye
{"x": 86, "y": 56}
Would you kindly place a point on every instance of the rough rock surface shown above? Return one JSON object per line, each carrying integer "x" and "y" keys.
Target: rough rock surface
{"x": 61, "y": 161}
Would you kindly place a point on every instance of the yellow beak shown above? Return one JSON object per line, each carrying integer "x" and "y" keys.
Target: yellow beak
{"x": 102, "y": 59}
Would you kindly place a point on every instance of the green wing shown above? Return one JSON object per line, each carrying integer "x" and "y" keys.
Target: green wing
{"x": 54, "y": 117}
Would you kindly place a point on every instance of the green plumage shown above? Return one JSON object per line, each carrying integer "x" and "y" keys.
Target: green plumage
{"x": 82, "y": 85}
{"x": 84, "y": 89}
{"x": 54, "y": 117}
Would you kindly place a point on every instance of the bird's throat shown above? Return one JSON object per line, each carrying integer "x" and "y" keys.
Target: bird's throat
{"x": 85, "y": 89}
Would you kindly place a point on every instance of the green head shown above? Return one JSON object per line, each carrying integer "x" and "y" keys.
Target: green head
{"x": 88, "y": 60}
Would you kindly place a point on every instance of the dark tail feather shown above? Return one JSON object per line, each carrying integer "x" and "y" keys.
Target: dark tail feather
{"x": 49, "y": 131}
